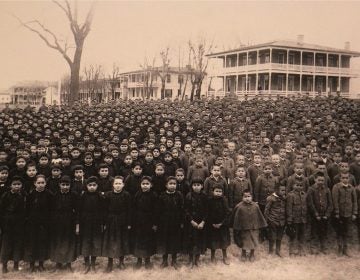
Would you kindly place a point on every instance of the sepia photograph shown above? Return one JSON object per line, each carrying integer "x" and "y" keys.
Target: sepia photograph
{"x": 179, "y": 139}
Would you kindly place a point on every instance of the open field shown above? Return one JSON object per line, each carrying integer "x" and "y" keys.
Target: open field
{"x": 265, "y": 267}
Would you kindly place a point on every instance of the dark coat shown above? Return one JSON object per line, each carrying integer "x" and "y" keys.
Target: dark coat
{"x": 275, "y": 210}
{"x": 145, "y": 217}
{"x": 148, "y": 169}
{"x": 37, "y": 239}
{"x": 296, "y": 207}
{"x": 78, "y": 186}
{"x": 105, "y": 184}
{"x": 63, "y": 226}
{"x": 159, "y": 184}
{"x": 218, "y": 213}
{"x": 247, "y": 216}
{"x": 183, "y": 187}
{"x": 117, "y": 219}
{"x": 171, "y": 217}
{"x": 91, "y": 218}
{"x": 90, "y": 170}
{"x": 264, "y": 186}
{"x": 12, "y": 214}
{"x": 195, "y": 210}
{"x": 236, "y": 190}
{"x": 52, "y": 184}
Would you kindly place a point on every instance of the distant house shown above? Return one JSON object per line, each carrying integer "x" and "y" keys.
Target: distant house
{"x": 5, "y": 97}
{"x": 35, "y": 93}
{"x": 282, "y": 68}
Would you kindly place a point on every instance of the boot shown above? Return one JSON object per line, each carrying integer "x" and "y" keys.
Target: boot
{"x": 121, "y": 263}
{"x": 164, "y": 261}
{"x": 16, "y": 266}
{"x": 195, "y": 261}
{"x": 87, "y": 265}
{"x": 148, "y": 264}
{"x": 243, "y": 255}
{"x": 174, "y": 263}
{"x": 271, "y": 247}
{"x": 278, "y": 248}
{"x": 345, "y": 251}
{"x": 57, "y": 267}
{"x": 109, "y": 267}
{"x": 213, "y": 256}
{"x": 93, "y": 260}
{"x": 340, "y": 251}
{"x": 4, "y": 268}
{"x": 252, "y": 255}
{"x": 191, "y": 259}
{"x": 225, "y": 258}
{"x": 32, "y": 267}
{"x": 68, "y": 267}
{"x": 41, "y": 266}
{"x": 138, "y": 263}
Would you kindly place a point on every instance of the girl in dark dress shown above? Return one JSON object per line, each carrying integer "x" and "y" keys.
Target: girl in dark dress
{"x": 63, "y": 225}
{"x": 117, "y": 224}
{"x": 196, "y": 215}
{"x": 218, "y": 234}
{"x": 171, "y": 207}
{"x": 12, "y": 212}
{"x": 145, "y": 223}
{"x": 91, "y": 217}
{"x": 38, "y": 207}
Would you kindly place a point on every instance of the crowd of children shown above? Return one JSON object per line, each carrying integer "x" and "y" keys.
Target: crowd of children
{"x": 144, "y": 178}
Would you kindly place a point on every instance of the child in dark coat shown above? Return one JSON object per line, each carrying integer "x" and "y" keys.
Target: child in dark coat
{"x": 145, "y": 223}
{"x": 12, "y": 213}
{"x": 196, "y": 214}
{"x": 132, "y": 182}
{"x": 117, "y": 224}
{"x": 38, "y": 209}
{"x": 171, "y": 206}
{"x": 218, "y": 234}
{"x": 275, "y": 216}
{"x": 296, "y": 216}
{"x": 105, "y": 181}
{"x": 63, "y": 225}
{"x": 159, "y": 179}
{"x": 78, "y": 182}
{"x": 247, "y": 220}
{"x": 91, "y": 218}
{"x": 237, "y": 187}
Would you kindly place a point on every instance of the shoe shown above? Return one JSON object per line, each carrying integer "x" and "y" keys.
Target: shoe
{"x": 87, "y": 269}
{"x": 4, "y": 269}
{"x": 109, "y": 268}
{"x": 175, "y": 265}
{"x": 226, "y": 261}
{"x": 121, "y": 266}
{"x": 41, "y": 268}
{"x": 243, "y": 256}
{"x": 16, "y": 266}
{"x": 164, "y": 264}
{"x": 278, "y": 248}
{"x": 345, "y": 252}
{"x": 252, "y": 256}
{"x": 138, "y": 264}
{"x": 93, "y": 268}
{"x": 148, "y": 265}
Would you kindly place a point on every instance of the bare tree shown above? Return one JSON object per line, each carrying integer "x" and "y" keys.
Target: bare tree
{"x": 93, "y": 83}
{"x": 149, "y": 74}
{"x": 65, "y": 88}
{"x": 114, "y": 79}
{"x": 79, "y": 30}
{"x": 164, "y": 70}
{"x": 199, "y": 63}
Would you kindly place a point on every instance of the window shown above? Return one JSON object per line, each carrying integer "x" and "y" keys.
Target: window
{"x": 168, "y": 78}
{"x": 168, "y": 93}
{"x": 291, "y": 59}
{"x": 180, "y": 79}
{"x": 281, "y": 58}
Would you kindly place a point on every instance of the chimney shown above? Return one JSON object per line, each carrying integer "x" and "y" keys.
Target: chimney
{"x": 347, "y": 45}
{"x": 300, "y": 39}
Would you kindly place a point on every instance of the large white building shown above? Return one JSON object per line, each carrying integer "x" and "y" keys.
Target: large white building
{"x": 283, "y": 68}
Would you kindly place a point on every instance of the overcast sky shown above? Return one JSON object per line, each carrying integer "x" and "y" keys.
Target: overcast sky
{"x": 125, "y": 32}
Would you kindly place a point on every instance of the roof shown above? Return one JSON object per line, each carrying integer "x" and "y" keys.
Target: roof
{"x": 34, "y": 84}
{"x": 171, "y": 70}
{"x": 289, "y": 44}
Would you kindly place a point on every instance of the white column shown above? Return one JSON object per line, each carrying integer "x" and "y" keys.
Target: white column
{"x": 269, "y": 82}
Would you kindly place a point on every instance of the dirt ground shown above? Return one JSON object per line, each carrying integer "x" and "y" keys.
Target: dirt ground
{"x": 315, "y": 267}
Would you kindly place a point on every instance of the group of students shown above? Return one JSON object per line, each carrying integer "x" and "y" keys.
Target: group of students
{"x": 145, "y": 178}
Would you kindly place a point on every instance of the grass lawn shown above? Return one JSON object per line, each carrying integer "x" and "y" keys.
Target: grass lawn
{"x": 265, "y": 267}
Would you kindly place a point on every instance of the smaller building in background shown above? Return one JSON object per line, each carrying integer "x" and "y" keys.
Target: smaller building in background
{"x": 34, "y": 93}
{"x": 5, "y": 97}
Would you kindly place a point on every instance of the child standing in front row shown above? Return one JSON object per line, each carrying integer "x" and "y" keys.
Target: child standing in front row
{"x": 118, "y": 223}
{"x": 145, "y": 222}
{"x": 196, "y": 215}
{"x": 171, "y": 205}
{"x": 247, "y": 220}
{"x": 218, "y": 234}
{"x": 91, "y": 213}
{"x": 276, "y": 218}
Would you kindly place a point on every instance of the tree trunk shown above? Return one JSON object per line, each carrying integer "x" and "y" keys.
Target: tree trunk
{"x": 192, "y": 91}
{"x": 162, "y": 90}
{"x": 198, "y": 90}
{"x": 75, "y": 75}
